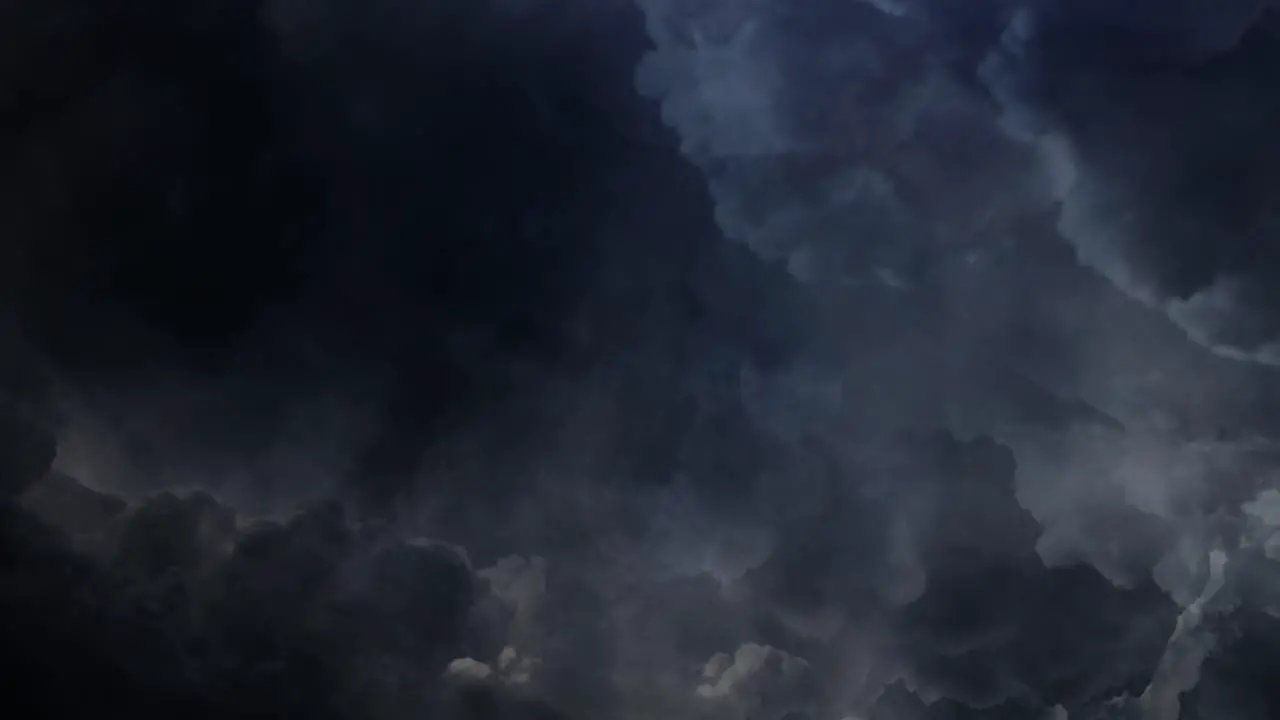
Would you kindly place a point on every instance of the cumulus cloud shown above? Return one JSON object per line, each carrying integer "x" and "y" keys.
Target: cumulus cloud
{"x": 308, "y": 615}
{"x": 1089, "y": 140}
{"x": 468, "y": 670}
{"x": 758, "y": 681}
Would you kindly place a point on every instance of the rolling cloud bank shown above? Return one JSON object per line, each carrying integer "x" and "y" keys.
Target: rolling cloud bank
{"x": 688, "y": 359}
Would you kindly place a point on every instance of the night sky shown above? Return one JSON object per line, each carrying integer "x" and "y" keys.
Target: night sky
{"x": 640, "y": 359}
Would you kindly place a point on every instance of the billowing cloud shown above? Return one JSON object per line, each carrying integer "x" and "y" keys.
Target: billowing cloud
{"x": 740, "y": 358}
{"x": 758, "y": 681}
{"x": 1167, "y": 137}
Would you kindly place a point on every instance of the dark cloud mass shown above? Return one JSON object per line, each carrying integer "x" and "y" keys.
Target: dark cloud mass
{"x": 633, "y": 359}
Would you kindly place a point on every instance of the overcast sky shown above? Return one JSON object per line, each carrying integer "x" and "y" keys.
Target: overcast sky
{"x": 666, "y": 359}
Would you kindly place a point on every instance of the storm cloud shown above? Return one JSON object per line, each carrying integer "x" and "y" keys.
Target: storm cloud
{"x": 671, "y": 358}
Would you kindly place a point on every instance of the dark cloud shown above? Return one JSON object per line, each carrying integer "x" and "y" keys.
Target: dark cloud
{"x": 192, "y": 611}
{"x": 1167, "y": 134}
{"x": 937, "y": 175}
{"x": 740, "y": 359}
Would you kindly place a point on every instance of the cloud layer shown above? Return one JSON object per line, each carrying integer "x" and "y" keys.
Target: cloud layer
{"x": 735, "y": 359}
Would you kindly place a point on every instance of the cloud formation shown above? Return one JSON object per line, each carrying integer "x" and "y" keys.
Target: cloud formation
{"x": 735, "y": 359}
